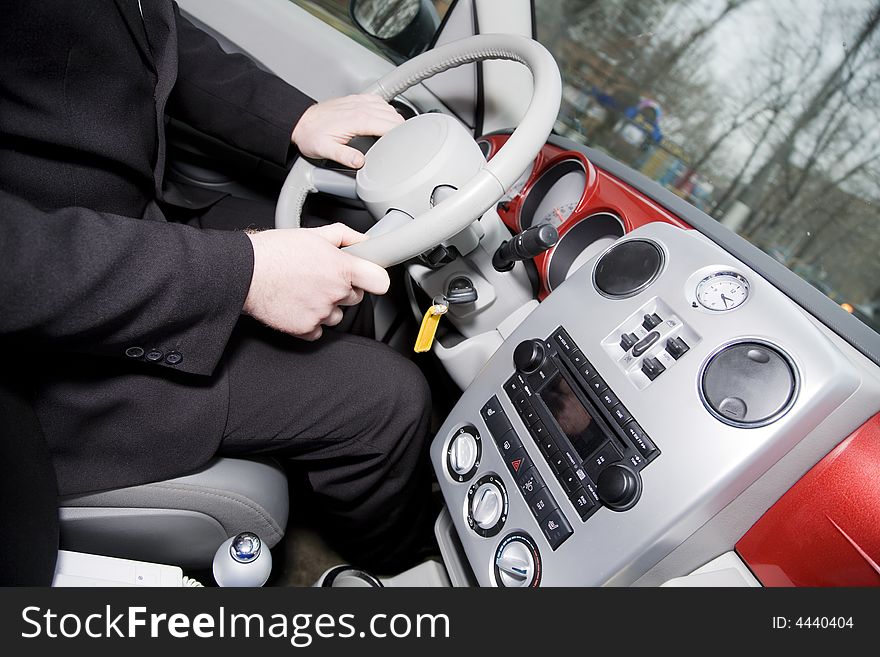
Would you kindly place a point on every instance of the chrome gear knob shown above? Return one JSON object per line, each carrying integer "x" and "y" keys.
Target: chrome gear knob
{"x": 245, "y": 547}
{"x": 242, "y": 561}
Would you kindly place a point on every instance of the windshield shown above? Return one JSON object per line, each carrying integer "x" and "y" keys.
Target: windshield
{"x": 763, "y": 113}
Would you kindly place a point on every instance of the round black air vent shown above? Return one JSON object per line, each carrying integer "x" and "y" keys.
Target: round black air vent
{"x": 581, "y": 242}
{"x": 749, "y": 384}
{"x": 628, "y": 268}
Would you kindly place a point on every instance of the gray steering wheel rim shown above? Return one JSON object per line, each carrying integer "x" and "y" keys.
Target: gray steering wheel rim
{"x": 483, "y": 191}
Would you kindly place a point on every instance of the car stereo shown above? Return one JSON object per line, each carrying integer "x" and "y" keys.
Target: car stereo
{"x": 591, "y": 442}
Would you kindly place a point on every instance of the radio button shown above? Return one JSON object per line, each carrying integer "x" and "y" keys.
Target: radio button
{"x": 606, "y": 455}
{"x": 539, "y": 433}
{"x": 621, "y": 414}
{"x": 640, "y": 439}
{"x": 577, "y": 359}
{"x": 495, "y": 417}
{"x": 597, "y": 385}
{"x": 609, "y": 399}
{"x": 542, "y": 374}
{"x": 588, "y": 371}
{"x": 558, "y": 462}
{"x": 583, "y": 503}
{"x": 556, "y": 528}
{"x": 561, "y": 338}
{"x": 571, "y": 479}
{"x": 523, "y": 408}
{"x": 541, "y": 504}
{"x": 546, "y": 444}
{"x": 513, "y": 386}
{"x": 528, "y": 415}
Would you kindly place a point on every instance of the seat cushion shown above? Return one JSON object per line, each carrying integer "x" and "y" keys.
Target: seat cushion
{"x": 180, "y": 521}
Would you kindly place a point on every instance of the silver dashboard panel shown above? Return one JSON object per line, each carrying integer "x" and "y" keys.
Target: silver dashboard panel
{"x": 704, "y": 464}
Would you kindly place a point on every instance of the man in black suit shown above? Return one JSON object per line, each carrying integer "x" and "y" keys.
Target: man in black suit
{"x": 125, "y": 329}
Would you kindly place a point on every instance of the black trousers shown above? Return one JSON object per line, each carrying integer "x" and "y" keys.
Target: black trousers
{"x": 349, "y": 414}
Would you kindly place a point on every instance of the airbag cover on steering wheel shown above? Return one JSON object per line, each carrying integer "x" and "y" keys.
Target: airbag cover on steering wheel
{"x": 404, "y": 167}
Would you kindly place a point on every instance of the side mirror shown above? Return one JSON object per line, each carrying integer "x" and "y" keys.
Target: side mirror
{"x": 401, "y": 28}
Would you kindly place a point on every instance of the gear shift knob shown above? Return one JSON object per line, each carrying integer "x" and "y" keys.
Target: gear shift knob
{"x": 242, "y": 560}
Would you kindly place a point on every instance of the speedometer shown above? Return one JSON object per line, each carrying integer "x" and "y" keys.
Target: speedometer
{"x": 555, "y": 194}
{"x": 557, "y": 214}
{"x": 724, "y": 290}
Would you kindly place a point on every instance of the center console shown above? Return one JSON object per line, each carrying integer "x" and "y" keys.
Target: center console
{"x": 649, "y": 390}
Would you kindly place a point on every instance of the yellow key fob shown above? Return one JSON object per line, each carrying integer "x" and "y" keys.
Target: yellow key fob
{"x": 428, "y": 329}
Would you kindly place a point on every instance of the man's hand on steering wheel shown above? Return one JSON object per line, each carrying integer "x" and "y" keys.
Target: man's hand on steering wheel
{"x": 302, "y": 278}
{"x": 325, "y": 129}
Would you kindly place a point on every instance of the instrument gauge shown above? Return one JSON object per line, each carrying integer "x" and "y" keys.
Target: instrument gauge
{"x": 555, "y": 194}
{"x": 557, "y": 214}
{"x": 722, "y": 291}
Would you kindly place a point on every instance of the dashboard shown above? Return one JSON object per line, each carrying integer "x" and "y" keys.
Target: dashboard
{"x": 658, "y": 380}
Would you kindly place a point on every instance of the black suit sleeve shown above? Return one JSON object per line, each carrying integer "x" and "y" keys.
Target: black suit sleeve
{"x": 228, "y": 97}
{"x": 98, "y": 283}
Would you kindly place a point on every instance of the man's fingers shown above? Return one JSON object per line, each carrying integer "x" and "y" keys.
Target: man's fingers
{"x": 354, "y": 297}
{"x": 376, "y": 124}
{"x": 368, "y": 276}
{"x": 345, "y": 155}
{"x": 339, "y": 234}
{"x": 371, "y": 100}
{"x": 311, "y": 336}
{"x": 334, "y": 317}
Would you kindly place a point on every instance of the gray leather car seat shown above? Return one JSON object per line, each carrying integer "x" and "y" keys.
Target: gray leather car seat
{"x": 180, "y": 521}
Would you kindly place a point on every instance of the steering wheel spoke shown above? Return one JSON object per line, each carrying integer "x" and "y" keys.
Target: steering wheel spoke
{"x": 337, "y": 183}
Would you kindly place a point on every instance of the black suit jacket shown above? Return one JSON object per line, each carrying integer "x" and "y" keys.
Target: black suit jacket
{"x": 94, "y": 278}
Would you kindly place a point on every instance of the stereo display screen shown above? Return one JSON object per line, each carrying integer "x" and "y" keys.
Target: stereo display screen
{"x": 585, "y": 435}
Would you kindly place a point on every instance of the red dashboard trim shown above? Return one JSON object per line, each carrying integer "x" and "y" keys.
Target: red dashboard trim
{"x": 825, "y": 531}
{"x": 604, "y": 193}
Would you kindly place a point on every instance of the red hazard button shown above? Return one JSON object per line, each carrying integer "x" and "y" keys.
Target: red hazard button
{"x": 518, "y": 462}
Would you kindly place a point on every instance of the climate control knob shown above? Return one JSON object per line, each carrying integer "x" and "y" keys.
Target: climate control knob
{"x": 463, "y": 454}
{"x": 487, "y": 505}
{"x": 517, "y": 562}
{"x": 529, "y": 355}
{"x": 619, "y": 487}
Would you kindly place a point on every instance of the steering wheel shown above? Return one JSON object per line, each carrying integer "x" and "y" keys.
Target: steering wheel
{"x": 405, "y": 168}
